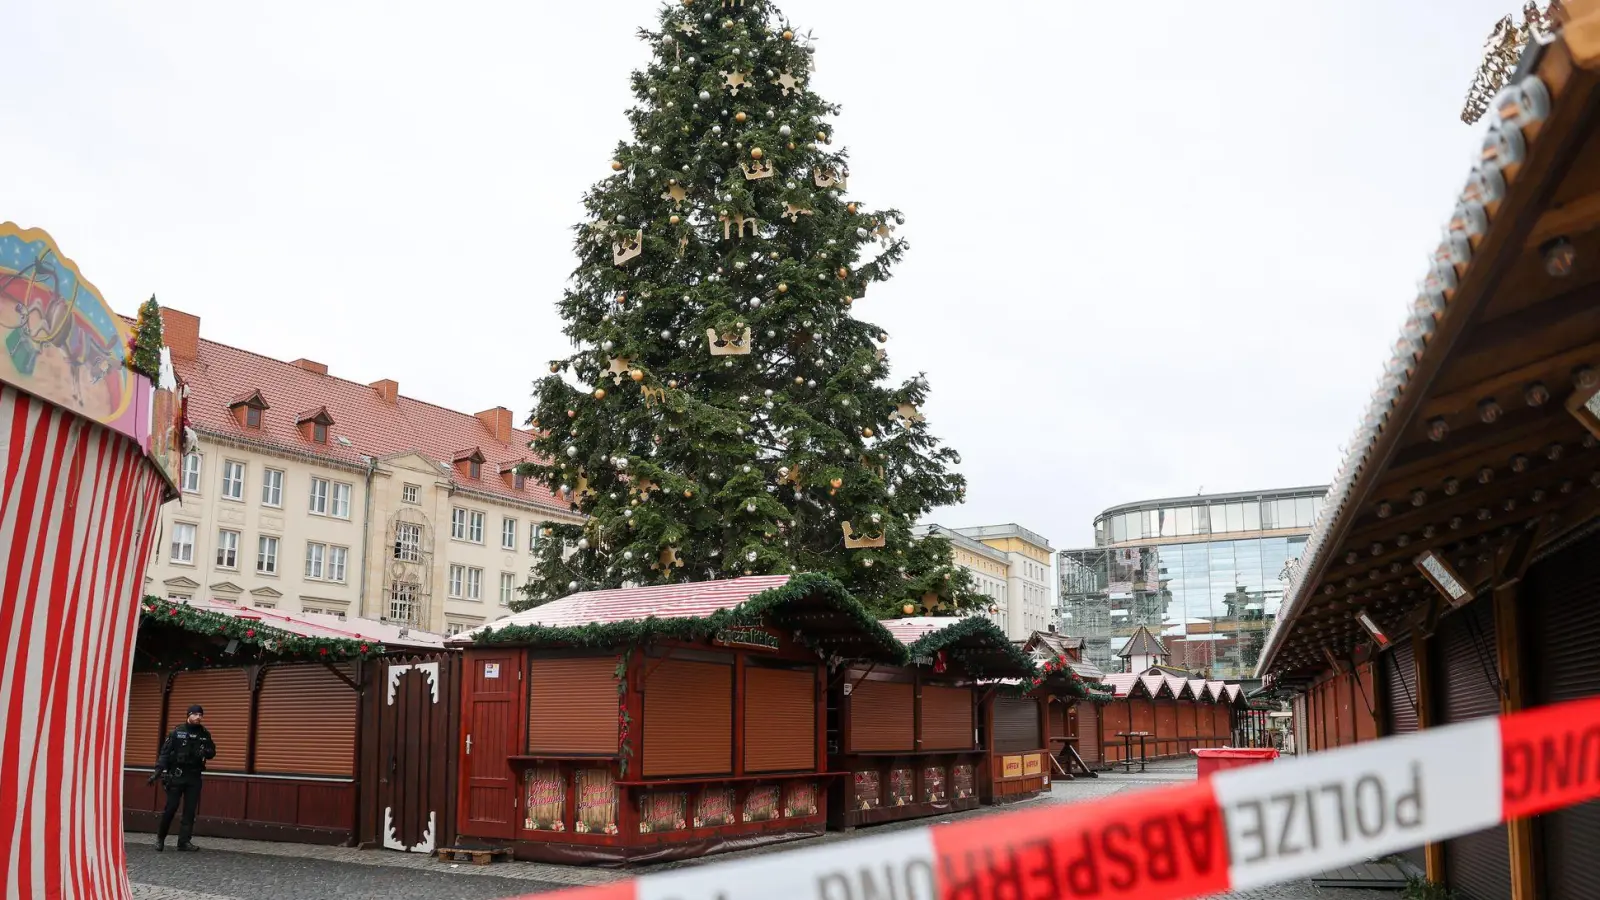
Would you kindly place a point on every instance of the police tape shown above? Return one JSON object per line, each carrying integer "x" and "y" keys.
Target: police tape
{"x": 1238, "y": 829}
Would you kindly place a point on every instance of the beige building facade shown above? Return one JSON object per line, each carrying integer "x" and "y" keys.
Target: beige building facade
{"x": 409, "y": 513}
{"x": 1011, "y": 566}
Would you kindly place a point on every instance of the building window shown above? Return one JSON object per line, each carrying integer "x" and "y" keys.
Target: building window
{"x": 179, "y": 598}
{"x": 408, "y": 494}
{"x": 508, "y": 534}
{"x": 227, "y": 549}
{"x": 319, "y": 497}
{"x": 271, "y": 487}
{"x": 252, "y": 417}
{"x": 474, "y": 584}
{"x": 466, "y": 583}
{"x": 267, "y": 555}
{"x": 408, "y": 542}
{"x": 451, "y": 629}
{"x": 403, "y": 602}
{"x": 319, "y": 432}
{"x": 183, "y": 535}
{"x": 337, "y": 556}
{"x": 475, "y": 470}
{"x": 264, "y": 605}
{"x": 458, "y": 578}
{"x": 458, "y": 524}
{"x": 191, "y": 473}
{"x": 533, "y": 537}
{"x": 475, "y": 527}
{"x": 341, "y": 500}
{"x": 466, "y": 525}
{"x": 508, "y": 588}
{"x": 316, "y": 554}
{"x": 518, "y": 481}
{"x": 233, "y": 480}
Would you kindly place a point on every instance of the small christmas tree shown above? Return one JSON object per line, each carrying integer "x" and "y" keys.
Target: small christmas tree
{"x": 144, "y": 348}
{"x": 726, "y": 413}
{"x": 1503, "y": 50}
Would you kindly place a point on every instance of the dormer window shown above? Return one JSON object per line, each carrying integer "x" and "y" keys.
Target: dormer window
{"x": 247, "y": 409}
{"x": 512, "y": 475}
{"x": 469, "y": 463}
{"x": 313, "y": 424}
{"x": 475, "y": 470}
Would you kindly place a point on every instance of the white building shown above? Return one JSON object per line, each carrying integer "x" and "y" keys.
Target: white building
{"x": 1011, "y": 566}
{"x": 310, "y": 493}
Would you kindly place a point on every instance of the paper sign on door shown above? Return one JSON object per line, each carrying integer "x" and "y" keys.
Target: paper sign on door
{"x": 491, "y": 670}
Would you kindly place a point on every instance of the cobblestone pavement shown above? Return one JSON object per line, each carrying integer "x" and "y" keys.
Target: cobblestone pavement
{"x": 261, "y": 870}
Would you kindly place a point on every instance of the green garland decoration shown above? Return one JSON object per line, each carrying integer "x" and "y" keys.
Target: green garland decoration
{"x": 624, "y": 721}
{"x": 771, "y": 605}
{"x": 270, "y": 639}
{"x": 144, "y": 346}
{"x": 1016, "y": 663}
{"x": 1058, "y": 672}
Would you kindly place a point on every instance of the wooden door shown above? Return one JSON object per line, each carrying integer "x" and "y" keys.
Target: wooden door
{"x": 413, "y": 747}
{"x": 490, "y": 703}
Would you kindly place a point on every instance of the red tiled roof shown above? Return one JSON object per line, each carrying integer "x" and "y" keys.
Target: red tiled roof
{"x": 221, "y": 375}
{"x": 694, "y": 600}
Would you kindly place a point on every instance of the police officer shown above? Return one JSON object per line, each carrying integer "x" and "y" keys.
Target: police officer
{"x": 182, "y": 760}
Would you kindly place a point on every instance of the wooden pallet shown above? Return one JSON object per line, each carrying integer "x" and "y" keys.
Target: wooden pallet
{"x": 471, "y": 855}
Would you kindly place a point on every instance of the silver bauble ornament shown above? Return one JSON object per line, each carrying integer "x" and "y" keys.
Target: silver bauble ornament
{"x": 583, "y": 543}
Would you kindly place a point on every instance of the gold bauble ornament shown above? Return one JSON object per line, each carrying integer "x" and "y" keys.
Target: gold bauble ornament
{"x": 848, "y": 301}
{"x": 740, "y": 117}
{"x": 616, "y": 165}
{"x": 636, "y": 375}
{"x": 883, "y": 337}
{"x": 850, "y": 208}
{"x": 673, "y": 219}
{"x": 672, "y": 383}
{"x": 866, "y": 432}
{"x": 599, "y": 393}
{"x": 788, "y": 35}
{"x": 554, "y": 368}
{"x": 837, "y": 482}
{"x": 687, "y": 493}
{"x": 843, "y": 273}
{"x": 791, "y": 145}
{"x": 908, "y": 609}
{"x": 783, "y": 287}
{"x": 799, "y": 379}
{"x": 757, "y": 153}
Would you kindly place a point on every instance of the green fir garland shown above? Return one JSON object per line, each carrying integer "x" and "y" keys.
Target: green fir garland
{"x": 978, "y": 661}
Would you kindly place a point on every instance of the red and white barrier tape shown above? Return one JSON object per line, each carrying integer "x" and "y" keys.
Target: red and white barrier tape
{"x": 1241, "y": 828}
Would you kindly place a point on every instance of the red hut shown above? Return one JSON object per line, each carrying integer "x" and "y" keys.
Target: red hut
{"x": 908, "y": 735}
{"x": 657, "y": 723}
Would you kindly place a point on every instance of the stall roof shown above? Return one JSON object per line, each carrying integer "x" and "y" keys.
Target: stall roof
{"x": 811, "y": 604}
{"x": 392, "y": 637}
{"x": 973, "y": 642}
{"x": 1475, "y": 446}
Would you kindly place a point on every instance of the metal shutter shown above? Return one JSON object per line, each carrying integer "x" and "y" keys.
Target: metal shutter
{"x": 1166, "y": 729}
{"x": 1016, "y": 724}
{"x": 305, "y": 722}
{"x": 1089, "y": 731}
{"x": 881, "y": 716}
{"x": 688, "y": 718}
{"x": 1399, "y": 671}
{"x": 946, "y": 718}
{"x": 1564, "y": 623}
{"x": 780, "y": 719}
{"x": 225, "y": 694}
{"x": 144, "y": 735}
{"x": 1477, "y": 866}
{"x": 572, "y": 705}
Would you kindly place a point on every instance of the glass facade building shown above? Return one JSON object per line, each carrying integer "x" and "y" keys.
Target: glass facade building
{"x": 1205, "y": 573}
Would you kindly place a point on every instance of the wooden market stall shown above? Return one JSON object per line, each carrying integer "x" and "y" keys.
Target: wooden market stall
{"x": 1073, "y": 724}
{"x": 1174, "y": 715}
{"x": 327, "y": 731}
{"x": 908, "y": 735}
{"x": 657, "y": 723}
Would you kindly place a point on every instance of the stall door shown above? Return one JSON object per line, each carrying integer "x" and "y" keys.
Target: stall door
{"x": 1477, "y": 866}
{"x": 414, "y": 739}
{"x": 1088, "y": 714}
{"x": 489, "y": 710}
{"x": 1562, "y": 597}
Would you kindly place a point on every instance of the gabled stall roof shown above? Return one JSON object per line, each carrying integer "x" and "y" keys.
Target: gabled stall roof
{"x": 1143, "y": 643}
{"x": 818, "y": 608}
{"x": 1468, "y": 448}
{"x": 973, "y": 642}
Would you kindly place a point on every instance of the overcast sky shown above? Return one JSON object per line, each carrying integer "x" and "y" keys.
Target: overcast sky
{"x": 1148, "y": 254}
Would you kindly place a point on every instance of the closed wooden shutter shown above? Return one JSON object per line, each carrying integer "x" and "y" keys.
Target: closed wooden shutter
{"x": 688, "y": 718}
{"x": 946, "y": 718}
{"x": 572, "y": 705}
{"x": 1477, "y": 866}
{"x": 225, "y": 694}
{"x": 305, "y": 722}
{"x": 1142, "y": 717}
{"x": 780, "y": 719}
{"x": 1365, "y": 701}
{"x": 1016, "y": 724}
{"x": 1089, "y": 731}
{"x": 1399, "y": 675}
{"x": 1166, "y": 728}
{"x": 1562, "y": 597}
{"x": 882, "y": 716}
{"x": 144, "y": 736}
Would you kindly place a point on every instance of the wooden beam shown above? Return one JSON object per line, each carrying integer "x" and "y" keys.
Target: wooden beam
{"x": 1555, "y": 322}
{"x": 1433, "y": 854}
{"x": 1573, "y": 217}
{"x": 1512, "y": 381}
{"x": 1519, "y": 832}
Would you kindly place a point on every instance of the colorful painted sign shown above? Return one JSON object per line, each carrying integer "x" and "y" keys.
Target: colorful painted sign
{"x": 1011, "y": 767}
{"x": 961, "y": 781}
{"x": 663, "y": 811}
{"x": 715, "y": 808}
{"x": 62, "y": 341}
{"x": 746, "y": 638}
{"x": 902, "y": 787}
{"x": 761, "y": 804}
{"x": 802, "y": 800}
{"x": 597, "y": 802}
{"x": 1033, "y": 764}
{"x": 933, "y": 789}
{"x": 869, "y": 790}
{"x": 544, "y": 796}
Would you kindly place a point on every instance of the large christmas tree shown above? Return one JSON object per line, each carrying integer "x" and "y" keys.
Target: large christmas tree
{"x": 726, "y": 412}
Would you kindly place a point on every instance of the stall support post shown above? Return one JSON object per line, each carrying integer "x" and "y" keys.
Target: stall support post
{"x": 1433, "y": 854}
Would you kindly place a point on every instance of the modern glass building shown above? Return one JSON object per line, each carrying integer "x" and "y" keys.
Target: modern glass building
{"x": 1203, "y": 572}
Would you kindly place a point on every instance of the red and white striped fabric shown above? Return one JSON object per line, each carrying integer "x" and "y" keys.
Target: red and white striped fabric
{"x": 1236, "y": 830}
{"x": 78, "y": 507}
